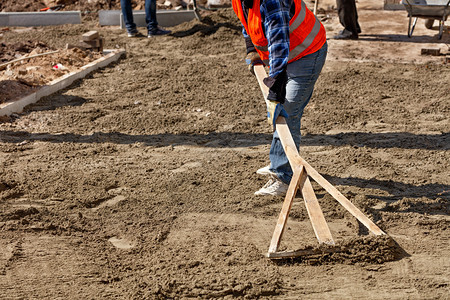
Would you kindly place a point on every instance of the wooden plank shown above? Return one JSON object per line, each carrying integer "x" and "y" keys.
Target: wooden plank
{"x": 26, "y": 57}
{"x": 315, "y": 213}
{"x": 90, "y": 44}
{"x": 333, "y": 191}
{"x": 430, "y": 51}
{"x": 260, "y": 75}
{"x": 295, "y": 160}
{"x": 286, "y": 208}
{"x": 90, "y": 35}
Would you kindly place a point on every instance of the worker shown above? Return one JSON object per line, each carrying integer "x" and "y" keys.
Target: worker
{"x": 348, "y": 17}
{"x": 150, "y": 19}
{"x": 286, "y": 36}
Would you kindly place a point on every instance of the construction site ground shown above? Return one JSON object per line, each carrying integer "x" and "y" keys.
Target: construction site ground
{"x": 137, "y": 182}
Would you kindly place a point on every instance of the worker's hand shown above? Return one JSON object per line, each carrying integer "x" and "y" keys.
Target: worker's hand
{"x": 277, "y": 87}
{"x": 274, "y": 110}
{"x": 253, "y": 59}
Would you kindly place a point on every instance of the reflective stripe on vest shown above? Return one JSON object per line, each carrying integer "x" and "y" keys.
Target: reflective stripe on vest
{"x": 306, "y": 42}
{"x": 299, "y": 20}
{"x": 294, "y": 24}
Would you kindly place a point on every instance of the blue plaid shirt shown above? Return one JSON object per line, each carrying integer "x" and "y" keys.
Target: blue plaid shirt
{"x": 275, "y": 19}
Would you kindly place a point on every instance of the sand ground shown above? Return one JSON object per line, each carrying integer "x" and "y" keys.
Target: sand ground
{"x": 137, "y": 182}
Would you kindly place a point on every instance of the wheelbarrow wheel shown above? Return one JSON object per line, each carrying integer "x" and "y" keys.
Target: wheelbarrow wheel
{"x": 429, "y": 23}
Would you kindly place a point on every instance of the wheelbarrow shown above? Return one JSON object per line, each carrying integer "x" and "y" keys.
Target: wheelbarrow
{"x": 428, "y": 9}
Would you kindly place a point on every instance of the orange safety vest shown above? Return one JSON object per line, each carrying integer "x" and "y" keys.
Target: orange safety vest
{"x": 306, "y": 32}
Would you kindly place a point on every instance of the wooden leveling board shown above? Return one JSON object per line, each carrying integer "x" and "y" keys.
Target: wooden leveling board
{"x": 300, "y": 181}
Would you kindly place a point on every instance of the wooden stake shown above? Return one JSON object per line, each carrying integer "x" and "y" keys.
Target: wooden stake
{"x": 27, "y": 57}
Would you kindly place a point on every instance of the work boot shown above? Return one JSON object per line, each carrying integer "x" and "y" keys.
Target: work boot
{"x": 273, "y": 187}
{"x": 265, "y": 171}
{"x": 157, "y": 31}
{"x": 358, "y": 29}
{"x": 346, "y": 35}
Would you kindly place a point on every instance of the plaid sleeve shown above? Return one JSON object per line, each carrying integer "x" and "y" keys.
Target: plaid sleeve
{"x": 275, "y": 16}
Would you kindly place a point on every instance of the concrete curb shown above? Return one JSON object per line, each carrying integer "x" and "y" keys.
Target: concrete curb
{"x": 109, "y": 17}
{"x": 166, "y": 18}
{"x": 17, "y": 106}
{"x": 25, "y": 19}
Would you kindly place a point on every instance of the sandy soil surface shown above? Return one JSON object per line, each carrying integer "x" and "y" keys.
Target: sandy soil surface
{"x": 137, "y": 182}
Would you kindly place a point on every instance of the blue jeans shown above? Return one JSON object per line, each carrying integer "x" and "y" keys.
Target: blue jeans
{"x": 150, "y": 15}
{"x": 302, "y": 75}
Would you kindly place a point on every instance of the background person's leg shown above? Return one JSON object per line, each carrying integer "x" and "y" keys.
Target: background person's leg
{"x": 127, "y": 13}
{"x": 150, "y": 18}
{"x": 348, "y": 17}
{"x": 150, "y": 15}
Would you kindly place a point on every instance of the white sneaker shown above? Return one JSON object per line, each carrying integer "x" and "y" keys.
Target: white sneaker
{"x": 273, "y": 187}
{"x": 265, "y": 171}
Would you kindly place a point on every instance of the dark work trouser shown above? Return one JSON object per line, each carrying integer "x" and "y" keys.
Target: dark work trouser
{"x": 348, "y": 16}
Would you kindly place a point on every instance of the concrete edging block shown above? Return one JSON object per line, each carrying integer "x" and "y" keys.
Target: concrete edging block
{"x": 54, "y": 86}
{"x": 7, "y": 109}
{"x": 166, "y": 18}
{"x": 43, "y": 91}
{"x": 26, "y": 19}
{"x": 3, "y": 20}
{"x": 109, "y": 17}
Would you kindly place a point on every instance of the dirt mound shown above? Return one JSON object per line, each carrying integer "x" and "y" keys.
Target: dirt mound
{"x": 11, "y": 82}
{"x": 367, "y": 249}
{"x": 220, "y": 25}
{"x": 22, "y": 77}
{"x": 13, "y": 51}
